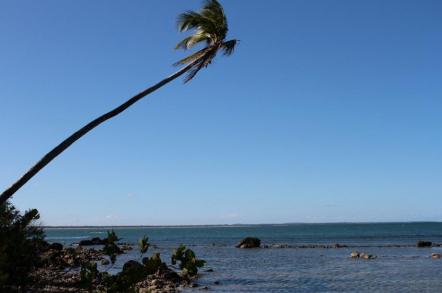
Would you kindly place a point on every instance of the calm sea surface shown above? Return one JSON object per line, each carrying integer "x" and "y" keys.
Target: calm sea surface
{"x": 405, "y": 269}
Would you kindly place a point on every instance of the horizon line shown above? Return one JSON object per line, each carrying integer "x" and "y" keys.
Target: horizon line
{"x": 237, "y": 224}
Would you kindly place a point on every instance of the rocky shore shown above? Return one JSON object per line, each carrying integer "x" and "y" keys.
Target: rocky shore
{"x": 60, "y": 271}
{"x": 337, "y": 245}
{"x": 253, "y": 242}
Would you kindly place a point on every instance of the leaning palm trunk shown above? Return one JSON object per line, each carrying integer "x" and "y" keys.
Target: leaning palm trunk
{"x": 209, "y": 26}
{"x": 84, "y": 130}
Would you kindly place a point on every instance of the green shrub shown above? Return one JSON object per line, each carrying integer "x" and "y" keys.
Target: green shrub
{"x": 112, "y": 237}
{"x": 111, "y": 249}
{"x": 88, "y": 274}
{"x": 21, "y": 242}
{"x": 143, "y": 244}
{"x": 189, "y": 264}
{"x": 153, "y": 263}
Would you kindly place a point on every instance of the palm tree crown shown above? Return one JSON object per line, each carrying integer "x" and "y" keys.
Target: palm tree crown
{"x": 210, "y": 27}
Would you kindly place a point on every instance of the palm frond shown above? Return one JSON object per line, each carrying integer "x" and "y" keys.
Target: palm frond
{"x": 192, "y": 57}
{"x": 183, "y": 43}
{"x": 193, "y": 20}
{"x": 213, "y": 10}
{"x": 228, "y": 47}
{"x": 188, "y": 20}
{"x": 204, "y": 61}
{"x": 194, "y": 39}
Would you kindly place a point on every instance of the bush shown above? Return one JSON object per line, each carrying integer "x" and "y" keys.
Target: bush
{"x": 21, "y": 242}
{"x": 189, "y": 264}
{"x": 88, "y": 274}
{"x": 111, "y": 249}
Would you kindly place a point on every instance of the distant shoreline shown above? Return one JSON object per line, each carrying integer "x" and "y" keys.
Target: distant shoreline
{"x": 231, "y": 225}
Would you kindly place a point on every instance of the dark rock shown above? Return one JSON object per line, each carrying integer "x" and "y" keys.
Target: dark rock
{"x": 93, "y": 241}
{"x": 249, "y": 242}
{"x": 98, "y": 241}
{"x": 85, "y": 243}
{"x": 56, "y": 246}
{"x": 133, "y": 271}
{"x": 216, "y": 282}
{"x": 209, "y": 270}
{"x": 422, "y": 244}
{"x": 172, "y": 276}
{"x": 132, "y": 266}
{"x": 337, "y": 245}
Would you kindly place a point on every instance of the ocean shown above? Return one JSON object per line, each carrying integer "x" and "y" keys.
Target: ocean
{"x": 396, "y": 269}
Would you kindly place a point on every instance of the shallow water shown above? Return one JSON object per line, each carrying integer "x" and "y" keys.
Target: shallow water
{"x": 405, "y": 269}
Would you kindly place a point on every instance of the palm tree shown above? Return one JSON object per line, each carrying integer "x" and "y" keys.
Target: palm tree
{"x": 209, "y": 27}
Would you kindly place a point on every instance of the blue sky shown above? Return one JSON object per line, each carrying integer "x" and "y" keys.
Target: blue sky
{"x": 328, "y": 111}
